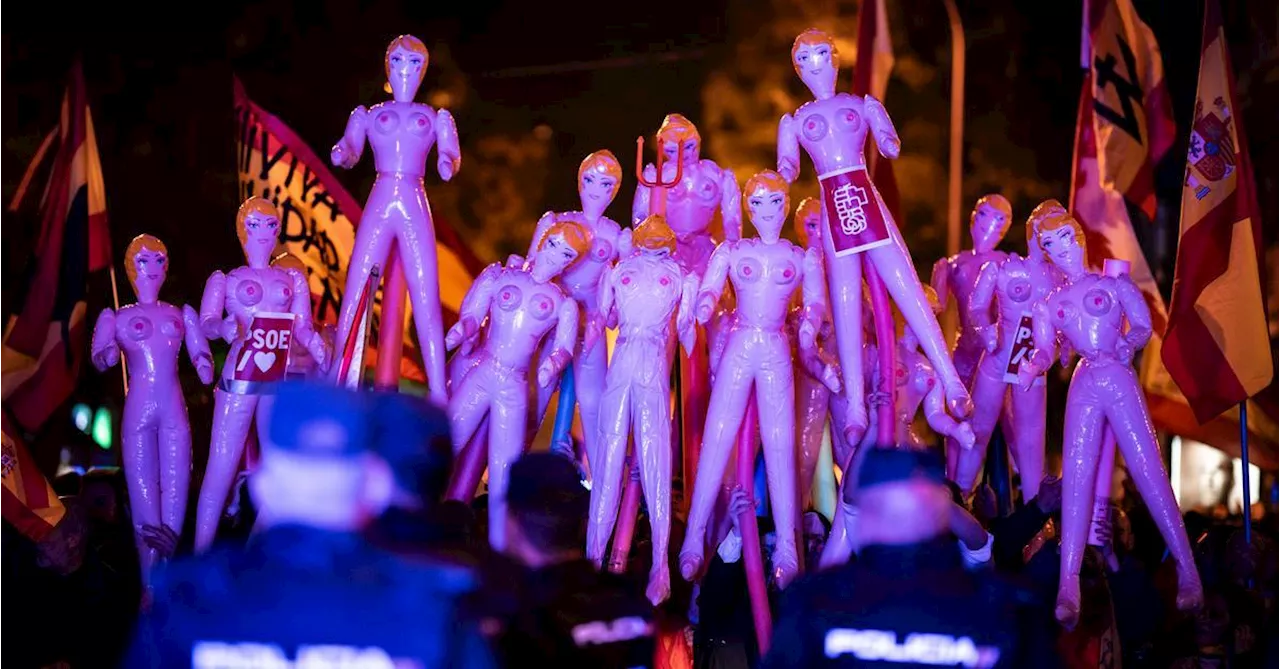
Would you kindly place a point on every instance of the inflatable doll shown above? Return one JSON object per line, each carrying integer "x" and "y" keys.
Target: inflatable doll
{"x": 689, "y": 192}
{"x": 599, "y": 177}
{"x": 522, "y": 304}
{"x": 401, "y": 133}
{"x": 301, "y": 364}
{"x": 651, "y": 294}
{"x": 1090, "y": 312}
{"x": 833, "y": 129}
{"x": 155, "y": 432}
{"x": 259, "y": 310}
{"x": 955, "y": 277}
{"x": 816, "y": 371}
{"x": 765, "y": 273}
{"x": 1012, "y": 285}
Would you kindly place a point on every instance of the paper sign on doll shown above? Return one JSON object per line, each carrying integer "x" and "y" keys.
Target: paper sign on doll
{"x": 1023, "y": 346}
{"x": 264, "y": 358}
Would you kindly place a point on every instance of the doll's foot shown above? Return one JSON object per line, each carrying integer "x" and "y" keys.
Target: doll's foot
{"x": 659, "y": 584}
{"x": 959, "y": 404}
{"x": 1190, "y": 592}
{"x": 785, "y": 568}
{"x": 1067, "y": 610}
{"x": 690, "y": 563}
{"x": 855, "y": 425}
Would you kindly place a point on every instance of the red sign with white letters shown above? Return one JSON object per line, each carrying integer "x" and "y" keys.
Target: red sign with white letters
{"x": 264, "y": 355}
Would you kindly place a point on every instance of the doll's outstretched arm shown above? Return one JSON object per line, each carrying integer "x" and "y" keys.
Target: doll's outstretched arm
{"x": 788, "y": 148}
{"x": 346, "y": 153}
{"x": 448, "y": 149}
{"x": 105, "y": 352}
{"x": 197, "y": 345}
{"x": 713, "y": 281}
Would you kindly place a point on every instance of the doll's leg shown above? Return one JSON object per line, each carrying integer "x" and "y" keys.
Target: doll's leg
{"x": 506, "y": 443}
{"x": 812, "y": 399}
{"x": 141, "y": 467}
{"x": 775, "y": 399}
{"x": 1136, "y": 438}
{"x": 844, "y": 279}
{"x": 175, "y": 468}
{"x": 232, "y": 416}
{"x": 724, "y": 417}
{"x": 1081, "y": 440}
{"x": 588, "y": 379}
{"x": 893, "y": 262}
{"x": 606, "y": 487}
{"x": 468, "y": 406}
{"x": 1026, "y": 435}
{"x": 372, "y": 243}
{"x": 418, "y": 250}
{"x": 654, "y": 446}
{"x": 988, "y": 394}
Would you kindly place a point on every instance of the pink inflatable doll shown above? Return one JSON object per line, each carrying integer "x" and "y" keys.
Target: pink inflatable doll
{"x": 401, "y": 133}
{"x": 765, "y": 273}
{"x": 1090, "y": 311}
{"x": 599, "y": 177}
{"x": 236, "y": 307}
{"x": 1011, "y": 285}
{"x": 816, "y": 371}
{"x": 155, "y": 432}
{"x": 955, "y": 277}
{"x": 833, "y": 130}
{"x": 651, "y": 294}
{"x": 522, "y": 304}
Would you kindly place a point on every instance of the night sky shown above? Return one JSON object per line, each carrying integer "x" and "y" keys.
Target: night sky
{"x": 161, "y": 96}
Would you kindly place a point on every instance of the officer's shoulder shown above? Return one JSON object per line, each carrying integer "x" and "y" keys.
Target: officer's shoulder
{"x": 198, "y": 577}
{"x": 441, "y": 574}
{"x": 823, "y": 581}
{"x": 1009, "y": 589}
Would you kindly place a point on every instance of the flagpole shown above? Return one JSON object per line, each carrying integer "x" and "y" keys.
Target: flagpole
{"x": 957, "y": 143}
{"x": 115, "y": 297}
{"x": 1244, "y": 472}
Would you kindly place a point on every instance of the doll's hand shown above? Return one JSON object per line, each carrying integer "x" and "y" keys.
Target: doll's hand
{"x": 964, "y": 435}
{"x": 989, "y": 336}
{"x": 106, "y": 357}
{"x": 706, "y": 307}
{"x": 204, "y": 368}
{"x": 230, "y": 329}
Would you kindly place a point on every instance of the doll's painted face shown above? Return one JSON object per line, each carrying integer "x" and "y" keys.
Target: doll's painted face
{"x": 1063, "y": 248}
{"x": 688, "y": 150}
{"x": 988, "y": 226}
{"x": 261, "y": 232}
{"x": 598, "y": 187}
{"x": 768, "y": 209}
{"x": 405, "y": 68}
{"x": 553, "y": 256}
{"x": 816, "y": 67}
{"x": 151, "y": 268}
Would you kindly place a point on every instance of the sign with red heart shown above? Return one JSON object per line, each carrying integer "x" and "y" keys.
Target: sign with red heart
{"x": 264, "y": 353}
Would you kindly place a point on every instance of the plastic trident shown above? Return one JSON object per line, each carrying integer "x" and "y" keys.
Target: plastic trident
{"x": 657, "y": 205}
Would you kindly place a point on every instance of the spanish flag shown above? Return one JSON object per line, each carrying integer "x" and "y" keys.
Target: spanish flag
{"x": 29, "y": 503}
{"x": 45, "y": 341}
{"x": 1217, "y": 346}
{"x": 319, "y": 217}
{"x": 1132, "y": 115}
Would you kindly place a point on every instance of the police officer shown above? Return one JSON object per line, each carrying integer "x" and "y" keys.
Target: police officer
{"x": 566, "y": 613}
{"x": 907, "y": 601}
{"x": 309, "y": 590}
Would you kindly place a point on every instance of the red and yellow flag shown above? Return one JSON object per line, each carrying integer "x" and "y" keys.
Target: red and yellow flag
{"x": 1132, "y": 115}
{"x": 318, "y": 219}
{"x": 1217, "y": 346}
{"x": 29, "y": 503}
{"x": 44, "y": 342}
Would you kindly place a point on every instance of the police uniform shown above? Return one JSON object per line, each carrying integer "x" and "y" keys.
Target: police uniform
{"x": 909, "y": 606}
{"x": 304, "y": 596}
{"x": 567, "y": 614}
